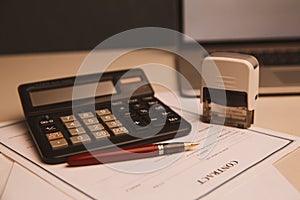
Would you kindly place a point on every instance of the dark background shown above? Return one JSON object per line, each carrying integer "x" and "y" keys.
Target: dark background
{"x": 45, "y": 26}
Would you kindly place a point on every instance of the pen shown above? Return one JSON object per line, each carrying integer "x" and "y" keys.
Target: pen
{"x": 129, "y": 153}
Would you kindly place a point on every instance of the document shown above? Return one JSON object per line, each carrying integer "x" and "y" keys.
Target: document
{"x": 22, "y": 184}
{"x": 223, "y": 155}
{"x": 261, "y": 186}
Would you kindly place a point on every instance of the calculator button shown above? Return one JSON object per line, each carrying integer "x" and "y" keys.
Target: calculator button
{"x": 46, "y": 122}
{"x": 157, "y": 121}
{"x": 119, "y": 131}
{"x": 173, "y": 119}
{"x": 138, "y": 123}
{"x": 134, "y": 100}
{"x": 76, "y": 131}
{"x": 54, "y": 136}
{"x": 107, "y": 118}
{"x": 129, "y": 113}
{"x": 136, "y": 106}
{"x": 96, "y": 127}
{"x": 59, "y": 144}
{"x": 153, "y": 102}
{"x": 143, "y": 111}
{"x": 103, "y": 112}
{"x": 68, "y": 118}
{"x": 149, "y": 98}
{"x": 166, "y": 113}
{"x": 90, "y": 121}
{"x": 51, "y": 128}
{"x": 80, "y": 139}
{"x": 114, "y": 124}
{"x": 86, "y": 115}
{"x": 159, "y": 108}
{"x": 73, "y": 124}
{"x": 101, "y": 134}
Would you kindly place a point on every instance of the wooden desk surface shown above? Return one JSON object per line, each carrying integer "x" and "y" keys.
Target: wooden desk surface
{"x": 276, "y": 113}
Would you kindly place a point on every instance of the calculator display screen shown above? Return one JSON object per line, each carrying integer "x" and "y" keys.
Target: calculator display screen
{"x": 65, "y": 94}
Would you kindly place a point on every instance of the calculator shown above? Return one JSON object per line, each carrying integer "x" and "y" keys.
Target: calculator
{"x": 121, "y": 111}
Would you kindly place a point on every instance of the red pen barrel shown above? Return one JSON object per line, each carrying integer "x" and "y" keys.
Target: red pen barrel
{"x": 114, "y": 155}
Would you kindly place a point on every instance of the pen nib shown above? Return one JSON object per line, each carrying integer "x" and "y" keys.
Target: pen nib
{"x": 190, "y": 145}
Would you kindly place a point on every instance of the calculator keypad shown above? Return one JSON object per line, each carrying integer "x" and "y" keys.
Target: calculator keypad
{"x": 101, "y": 134}
{"x": 91, "y": 121}
{"x": 119, "y": 131}
{"x": 73, "y": 124}
{"x": 80, "y": 139}
{"x": 86, "y": 115}
{"x": 132, "y": 116}
{"x": 68, "y": 118}
{"x": 96, "y": 127}
{"x": 59, "y": 144}
{"x": 123, "y": 112}
{"x": 54, "y": 136}
{"x": 103, "y": 112}
{"x": 76, "y": 131}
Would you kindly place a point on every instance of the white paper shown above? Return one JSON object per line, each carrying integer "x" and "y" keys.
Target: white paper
{"x": 188, "y": 175}
{"x": 24, "y": 185}
{"x": 222, "y": 160}
{"x": 269, "y": 184}
{"x": 5, "y": 169}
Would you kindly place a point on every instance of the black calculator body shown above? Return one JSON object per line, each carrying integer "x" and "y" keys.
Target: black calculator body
{"x": 122, "y": 111}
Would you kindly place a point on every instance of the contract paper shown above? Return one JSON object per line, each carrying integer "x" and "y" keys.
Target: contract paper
{"x": 223, "y": 155}
{"x": 261, "y": 186}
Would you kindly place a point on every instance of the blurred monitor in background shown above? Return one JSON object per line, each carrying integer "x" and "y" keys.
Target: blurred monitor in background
{"x": 267, "y": 29}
